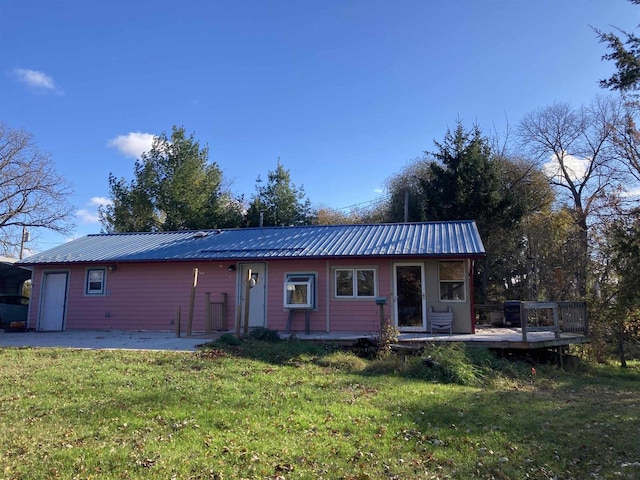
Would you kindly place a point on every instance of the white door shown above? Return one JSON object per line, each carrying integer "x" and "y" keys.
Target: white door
{"x": 409, "y": 297}
{"x": 257, "y": 293}
{"x": 54, "y": 301}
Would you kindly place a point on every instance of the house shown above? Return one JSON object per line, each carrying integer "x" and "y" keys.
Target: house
{"x": 333, "y": 277}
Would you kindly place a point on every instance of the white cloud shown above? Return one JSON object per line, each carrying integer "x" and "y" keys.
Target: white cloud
{"x": 132, "y": 144}
{"x": 378, "y": 190}
{"x": 36, "y": 80}
{"x": 632, "y": 193}
{"x": 576, "y": 168}
{"x": 87, "y": 216}
{"x": 100, "y": 202}
{"x": 90, "y": 215}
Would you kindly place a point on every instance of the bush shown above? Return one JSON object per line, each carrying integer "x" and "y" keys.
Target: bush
{"x": 229, "y": 339}
{"x": 264, "y": 334}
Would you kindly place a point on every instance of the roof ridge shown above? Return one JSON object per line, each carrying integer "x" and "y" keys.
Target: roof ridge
{"x": 273, "y": 227}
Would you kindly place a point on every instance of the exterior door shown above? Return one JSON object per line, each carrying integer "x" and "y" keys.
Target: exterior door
{"x": 257, "y": 293}
{"x": 410, "y": 298}
{"x": 54, "y": 301}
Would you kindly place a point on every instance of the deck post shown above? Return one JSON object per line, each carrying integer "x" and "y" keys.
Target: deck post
{"x": 523, "y": 320}
{"x": 556, "y": 320}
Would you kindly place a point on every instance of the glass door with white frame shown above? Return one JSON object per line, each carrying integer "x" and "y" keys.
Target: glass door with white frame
{"x": 409, "y": 296}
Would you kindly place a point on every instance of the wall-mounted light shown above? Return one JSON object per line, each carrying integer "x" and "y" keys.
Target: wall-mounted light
{"x": 112, "y": 268}
{"x": 231, "y": 268}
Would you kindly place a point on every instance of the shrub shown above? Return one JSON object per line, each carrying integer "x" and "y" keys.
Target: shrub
{"x": 229, "y": 339}
{"x": 264, "y": 334}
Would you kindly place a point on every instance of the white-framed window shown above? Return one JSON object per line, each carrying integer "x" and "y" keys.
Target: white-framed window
{"x": 355, "y": 282}
{"x": 300, "y": 290}
{"x": 95, "y": 281}
{"x": 452, "y": 280}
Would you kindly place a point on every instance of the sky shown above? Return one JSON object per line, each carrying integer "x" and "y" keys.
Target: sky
{"x": 345, "y": 93}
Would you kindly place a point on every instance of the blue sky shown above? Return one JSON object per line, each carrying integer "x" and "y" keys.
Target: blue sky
{"x": 346, "y": 93}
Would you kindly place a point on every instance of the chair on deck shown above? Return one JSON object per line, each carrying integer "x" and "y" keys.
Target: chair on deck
{"x": 440, "y": 321}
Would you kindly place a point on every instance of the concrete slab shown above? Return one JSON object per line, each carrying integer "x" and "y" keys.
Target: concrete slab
{"x": 103, "y": 339}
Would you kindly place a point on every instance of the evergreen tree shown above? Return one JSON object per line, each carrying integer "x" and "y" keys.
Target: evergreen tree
{"x": 175, "y": 188}
{"x": 279, "y": 202}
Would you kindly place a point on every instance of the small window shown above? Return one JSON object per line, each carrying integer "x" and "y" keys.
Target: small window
{"x": 299, "y": 290}
{"x": 95, "y": 281}
{"x": 452, "y": 280}
{"x": 355, "y": 282}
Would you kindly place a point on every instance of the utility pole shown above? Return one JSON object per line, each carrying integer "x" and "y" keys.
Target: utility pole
{"x": 25, "y": 238}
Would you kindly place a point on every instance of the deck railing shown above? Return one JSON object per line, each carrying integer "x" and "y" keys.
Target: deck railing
{"x": 556, "y": 317}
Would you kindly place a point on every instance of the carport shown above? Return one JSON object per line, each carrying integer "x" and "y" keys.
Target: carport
{"x": 13, "y": 305}
{"x": 12, "y": 277}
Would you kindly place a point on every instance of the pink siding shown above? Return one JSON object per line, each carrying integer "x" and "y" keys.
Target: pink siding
{"x": 145, "y": 296}
{"x": 352, "y": 315}
{"x": 141, "y": 296}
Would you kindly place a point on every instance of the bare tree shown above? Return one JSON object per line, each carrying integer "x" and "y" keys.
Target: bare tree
{"x": 32, "y": 194}
{"x": 574, "y": 148}
{"x": 626, "y": 142}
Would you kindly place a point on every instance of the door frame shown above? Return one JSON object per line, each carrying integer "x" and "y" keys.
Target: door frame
{"x": 43, "y": 299}
{"x": 262, "y": 306}
{"x": 423, "y": 326}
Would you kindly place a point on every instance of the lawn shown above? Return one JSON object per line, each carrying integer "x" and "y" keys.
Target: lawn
{"x": 284, "y": 410}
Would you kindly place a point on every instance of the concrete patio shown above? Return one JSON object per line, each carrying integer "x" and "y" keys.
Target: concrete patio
{"x": 103, "y": 339}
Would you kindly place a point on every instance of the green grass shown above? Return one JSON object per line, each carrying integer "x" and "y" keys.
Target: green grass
{"x": 289, "y": 410}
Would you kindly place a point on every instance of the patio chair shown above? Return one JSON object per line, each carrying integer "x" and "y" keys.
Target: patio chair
{"x": 440, "y": 321}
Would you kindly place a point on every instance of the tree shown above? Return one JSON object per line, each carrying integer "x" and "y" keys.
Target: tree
{"x": 465, "y": 179}
{"x": 331, "y": 216}
{"x": 175, "y": 188}
{"x": 573, "y": 147}
{"x": 406, "y": 192}
{"x": 32, "y": 194}
{"x": 620, "y": 290}
{"x": 279, "y": 202}
{"x": 625, "y": 53}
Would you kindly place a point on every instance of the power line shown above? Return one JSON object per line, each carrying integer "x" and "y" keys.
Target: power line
{"x": 367, "y": 202}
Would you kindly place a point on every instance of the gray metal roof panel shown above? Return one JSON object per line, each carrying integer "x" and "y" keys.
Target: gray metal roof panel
{"x": 455, "y": 238}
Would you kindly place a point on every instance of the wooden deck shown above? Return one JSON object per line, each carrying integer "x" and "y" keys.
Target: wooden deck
{"x": 489, "y": 337}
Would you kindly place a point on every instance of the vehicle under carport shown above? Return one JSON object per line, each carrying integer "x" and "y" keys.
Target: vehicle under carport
{"x": 14, "y": 305}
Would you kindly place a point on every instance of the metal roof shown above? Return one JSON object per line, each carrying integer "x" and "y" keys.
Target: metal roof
{"x": 429, "y": 239}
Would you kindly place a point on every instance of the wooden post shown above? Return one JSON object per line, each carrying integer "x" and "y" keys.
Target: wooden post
{"x": 192, "y": 301}
{"x": 178, "y": 322}
{"x": 208, "y": 313}
{"x": 238, "y": 317}
{"x": 382, "y": 322}
{"x": 224, "y": 311}
{"x": 524, "y": 319}
{"x": 247, "y": 294}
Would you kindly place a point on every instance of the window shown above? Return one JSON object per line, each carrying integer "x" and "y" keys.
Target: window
{"x": 452, "y": 280}
{"x": 95, "y": 281}
{"x": 355, "y": 282}
{"x": 299, "y": 290}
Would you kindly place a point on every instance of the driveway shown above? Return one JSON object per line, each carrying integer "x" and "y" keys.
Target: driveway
{"x": 103, "y": 339}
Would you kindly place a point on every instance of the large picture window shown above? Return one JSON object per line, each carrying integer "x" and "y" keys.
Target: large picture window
{"x": 452, "y": 280}
{"x": 95, "y": 281}
{"x": 299, "y": 290}
{"x": 355, "y": 282}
